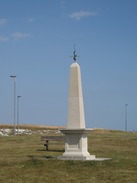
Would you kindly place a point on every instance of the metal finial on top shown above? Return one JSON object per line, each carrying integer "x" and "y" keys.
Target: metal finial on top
{"x": 74, "y": 54}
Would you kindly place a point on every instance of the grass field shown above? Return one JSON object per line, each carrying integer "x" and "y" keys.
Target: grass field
{"x": 23, "y": 159}
{"x": 32, "y": 127}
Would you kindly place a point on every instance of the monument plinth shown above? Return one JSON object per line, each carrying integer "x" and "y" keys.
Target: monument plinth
{"x": 76, "y": 145}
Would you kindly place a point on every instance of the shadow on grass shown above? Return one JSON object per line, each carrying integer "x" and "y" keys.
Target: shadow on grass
{"x": 41, "y": 157}
{"x": 51, "y": 150}
{"x": 56, "y": 150}
{"x": 48, "y": 157}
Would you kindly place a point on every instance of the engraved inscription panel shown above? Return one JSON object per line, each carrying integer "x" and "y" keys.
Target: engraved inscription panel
{"x": 73, "y": 142}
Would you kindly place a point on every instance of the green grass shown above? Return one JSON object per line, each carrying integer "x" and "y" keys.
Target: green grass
{"x": 23, "y": 159}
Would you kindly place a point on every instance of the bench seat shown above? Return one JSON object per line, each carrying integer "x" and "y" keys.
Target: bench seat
{"x": 51, "y": 138}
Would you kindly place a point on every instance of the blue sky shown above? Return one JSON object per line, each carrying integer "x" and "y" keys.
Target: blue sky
{"x": 36, "y": 42}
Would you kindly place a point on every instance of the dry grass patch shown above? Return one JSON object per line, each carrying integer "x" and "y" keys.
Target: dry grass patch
{"x": 23, "y": 159}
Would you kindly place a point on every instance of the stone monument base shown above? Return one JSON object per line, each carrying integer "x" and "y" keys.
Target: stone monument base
{"x": 76, "y": 145}
{"x": 84, "y": 158}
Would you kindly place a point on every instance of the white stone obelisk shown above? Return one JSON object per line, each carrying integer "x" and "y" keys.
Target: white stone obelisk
{"x": 76, "y": 118}
{"x": 76, "y": 133}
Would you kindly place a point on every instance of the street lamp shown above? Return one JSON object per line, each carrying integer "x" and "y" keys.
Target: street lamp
{"x": 18, "y": 97}
{"x": 14, "y": 78}
{"x": 126, "y": 117}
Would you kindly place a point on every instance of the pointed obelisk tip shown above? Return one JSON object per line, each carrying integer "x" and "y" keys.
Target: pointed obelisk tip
{"x": 74, "y": 54}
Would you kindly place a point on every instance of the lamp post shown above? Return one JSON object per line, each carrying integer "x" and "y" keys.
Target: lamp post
{"x": 14, "y": 78}
{"x": 126, "y": 117}
{"x": 18, "y": 97}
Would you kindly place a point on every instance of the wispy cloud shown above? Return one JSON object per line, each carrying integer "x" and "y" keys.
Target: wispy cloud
{"x": 19, "y": 35}
{"x": 82, "y": 14}
{"x": 3, "y": 21}
{"x": 3, "y": 38}
{"x": 14, "y": 36}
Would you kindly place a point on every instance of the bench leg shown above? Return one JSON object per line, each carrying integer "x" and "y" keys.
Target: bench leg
{"x": 46, "y": 145}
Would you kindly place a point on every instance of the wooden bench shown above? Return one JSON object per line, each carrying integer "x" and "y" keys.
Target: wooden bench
{"x": 51, "y": 138}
